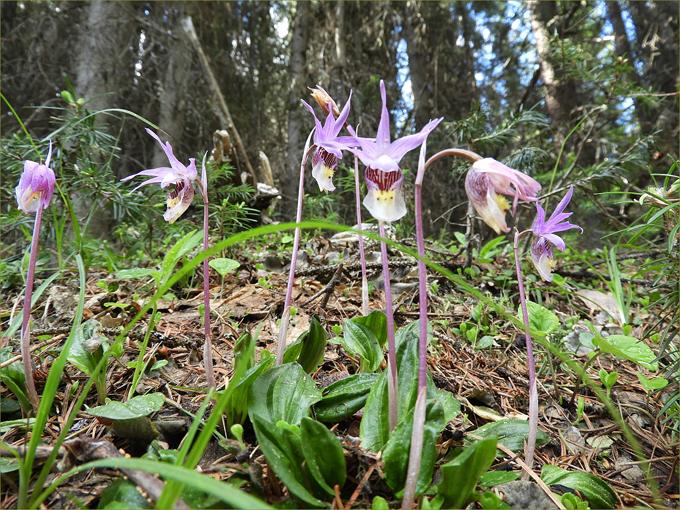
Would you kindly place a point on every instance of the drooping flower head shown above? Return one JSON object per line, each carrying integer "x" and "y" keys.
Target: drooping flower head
{"x": 383, "y": 176}
{"x": 488, "y": 177}
{"x": 36, "y": 185}
{"x": 329, "y": 145}
{"x": 178, "y": 175}
{"x": 545, "y": 240}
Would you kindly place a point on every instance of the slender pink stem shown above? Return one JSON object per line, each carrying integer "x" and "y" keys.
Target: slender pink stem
{"x": 285, "y": 317}
{"x": 416, "y": 452}
{"x": 26, "y": 325}
{"x": 533, "y": 393}
{"x": 392, "y": 386}
{"x": 364, "y": 278}
{"x": 207, "y": 347}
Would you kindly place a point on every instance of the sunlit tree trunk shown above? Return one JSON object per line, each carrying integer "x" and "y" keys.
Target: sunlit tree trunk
{"x": 419, "y": 60}
{"x": 541, "y": 13}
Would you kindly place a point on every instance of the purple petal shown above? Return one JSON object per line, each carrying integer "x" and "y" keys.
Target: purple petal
{"x": 563, "y": 203}
{"x": 382, "y": 138}
{"x": 400, "y": 147}
{"x": 556, "y": 241}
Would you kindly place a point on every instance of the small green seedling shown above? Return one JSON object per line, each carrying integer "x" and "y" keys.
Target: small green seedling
{"x": 608, "y": 379}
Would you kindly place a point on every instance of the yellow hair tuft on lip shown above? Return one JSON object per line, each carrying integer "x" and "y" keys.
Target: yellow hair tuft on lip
{"x": 502, "y": 202}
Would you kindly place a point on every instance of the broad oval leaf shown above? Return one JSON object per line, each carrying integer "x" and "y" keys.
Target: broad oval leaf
{"x": 283, "y": 450}
{"x": 598, "y": 492}
{"x": 359, "y": 340}
{"x": 345, "y": 397}
{"x": 397, "y": 449}
{"x": 283, "y": 393}
{"x": 223, "y": 265}
{"x": 510, "y": 433}
{"x": 143, "y": 405}
{"x": 540, "y": 318}
{"x": 324, "y": 457}
{"x": 460, "y": 476}
{"x": 309, "y": 348}
{"x": 630, "y": 348}
{"x": 376, "y": 321}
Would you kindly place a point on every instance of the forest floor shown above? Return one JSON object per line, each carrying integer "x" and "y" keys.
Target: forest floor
{"x": 488, "y": 375}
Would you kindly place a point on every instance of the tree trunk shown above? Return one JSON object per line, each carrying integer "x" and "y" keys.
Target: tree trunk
{"x": 623, "y": 50}
{"x": 541, "y": 13}
{"x": 105, "y": 62}
{"x": 172, "y": 96}
{"x": 419, "y": 59}
{"x": 296, "y": 114}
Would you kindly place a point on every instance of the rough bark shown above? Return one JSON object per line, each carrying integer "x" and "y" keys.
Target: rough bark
{"x": 173, "y": 94}
{"x": 106, "y": 56}
{"x": 541, "y": 14}
{"x": 296, "y": 90}
{"x": 419, "y": 58}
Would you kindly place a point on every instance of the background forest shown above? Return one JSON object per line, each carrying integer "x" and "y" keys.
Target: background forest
{"x": 581, "y": 96}
{"x": 591, "y": 83}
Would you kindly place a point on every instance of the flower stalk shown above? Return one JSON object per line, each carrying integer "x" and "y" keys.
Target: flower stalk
{"x": 533, "y": 392}
{"x": 33, "y": 194}
{"x": 285, "y": 317}
{"x": 392, "y": 385}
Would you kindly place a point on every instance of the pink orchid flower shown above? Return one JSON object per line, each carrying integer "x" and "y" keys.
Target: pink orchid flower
{"x": 329, "y": 145}
{"x": 542, "y": 254}
{"x": 182, "y": 177}
{"x": 384, "y": 178}
{"x": 36, "y": 185}
{"x": 488, "y": 177}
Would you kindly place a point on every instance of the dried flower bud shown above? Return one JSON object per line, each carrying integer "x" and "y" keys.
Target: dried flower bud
{"x": 322, "y": 98}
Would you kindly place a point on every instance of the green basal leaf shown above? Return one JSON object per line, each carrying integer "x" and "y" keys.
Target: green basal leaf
{"x": 312, "y": 346}
{"x": 122, "y": 493}
{"x": 283, "y": 450}
{"x": 510, "y": 433}
{"x": 628, "y": 348}
{"x": 284, "y": 392}
{"x": 598, "y": 492}
{"x": 375, "y": 422}
{"x": 345, "y": 397}
{"x": 136, "y": 273}
{"x": 540, "y": 318}
{"x": 88, "y": 346}
{"x": 492, "y": 478}
{"x": 237, "y": 408}
{"x": 223, "y": 265}
{"x": 359, "y": 340}
{"x": 651, "y": 385}
{"x": 397, "y": 449}
{"x": 242, "y": 351}
{"x": 324, "y": 456}
{"x": 143, "y": 405}
{"x": 460, "y": 476}
{"x": 376, "y": 321}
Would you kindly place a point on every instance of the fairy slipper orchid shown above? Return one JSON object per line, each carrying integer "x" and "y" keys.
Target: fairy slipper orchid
{"x": 34, "y": 193}
{"x": 329, "y": 145}
{"x": 545, "y": 239}
{"x": 384, "y": 178}
{"x": 486, "y": 179}
{"x": 36, "y": 185}
{"x": 179, "y": 176}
